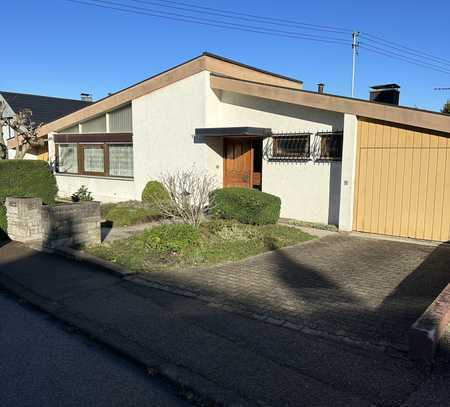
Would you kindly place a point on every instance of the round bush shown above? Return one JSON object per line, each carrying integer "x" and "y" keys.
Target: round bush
{"x": 154, "y": 192}
{"x": 25, "y": 178}
{"x": 245, "y": 205}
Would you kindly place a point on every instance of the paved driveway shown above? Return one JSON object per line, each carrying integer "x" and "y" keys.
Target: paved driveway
{"x": 351, "y": 287}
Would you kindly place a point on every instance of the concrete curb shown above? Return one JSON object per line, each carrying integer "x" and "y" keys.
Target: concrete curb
{"x": 425, "y": 334}
{"x": 82, "y": 257}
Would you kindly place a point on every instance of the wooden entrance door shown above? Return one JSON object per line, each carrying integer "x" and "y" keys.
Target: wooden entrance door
{"x": 238, "y": 163}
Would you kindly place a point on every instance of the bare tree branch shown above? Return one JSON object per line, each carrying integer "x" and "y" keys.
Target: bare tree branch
{"x": 189, "y": 194}
{"x": 26, "y": 133}
{"x": 3, "y": 123}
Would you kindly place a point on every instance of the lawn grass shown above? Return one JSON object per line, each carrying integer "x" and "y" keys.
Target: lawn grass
{"x": 128, "y": 213}
{"x": 180, "y": 245}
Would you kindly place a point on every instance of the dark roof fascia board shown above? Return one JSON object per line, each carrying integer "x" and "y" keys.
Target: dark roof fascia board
{"x": 233, "y": 132}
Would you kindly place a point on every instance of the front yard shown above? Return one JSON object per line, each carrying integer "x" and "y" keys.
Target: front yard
{"x": 182, "y": 245}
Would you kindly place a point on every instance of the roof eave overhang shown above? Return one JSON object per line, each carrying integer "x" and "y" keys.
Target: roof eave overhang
{"x": 252, "y": 132}
{"x": 205, "y": 62}
{"x": 395, "y": 114}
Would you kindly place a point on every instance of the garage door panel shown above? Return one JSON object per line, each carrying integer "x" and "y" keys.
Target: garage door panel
{"x": 431, "y": 192}
{"x": 439, "y": 195}
{"x": 402, "y": 183}
{"x": 423, "y": 186}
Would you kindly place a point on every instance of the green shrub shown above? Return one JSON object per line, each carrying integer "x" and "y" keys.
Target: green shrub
{"x": 127, "y": 216}
{"x": 154, "y": 192}
{"x": 245, "y": 205}
{"x": 83, "y": 194}
{"x": 25, "y": 178}
{"x": 174, "y": 238}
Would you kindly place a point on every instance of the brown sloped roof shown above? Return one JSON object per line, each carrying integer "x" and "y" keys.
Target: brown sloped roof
{"x": 204, "y": 62}
{"x": 364, "y": 108}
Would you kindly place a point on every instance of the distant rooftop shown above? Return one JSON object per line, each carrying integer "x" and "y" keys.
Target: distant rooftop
{"x": 45, "y": 108}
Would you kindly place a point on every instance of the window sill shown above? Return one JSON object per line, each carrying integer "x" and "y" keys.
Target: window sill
{"x": 324, "y": 159}
{"x": 62, "y": 174}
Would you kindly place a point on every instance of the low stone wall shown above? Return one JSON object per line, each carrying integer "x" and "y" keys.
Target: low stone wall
{"x": 426, "y": 332}
{"x": 53, "y": 226}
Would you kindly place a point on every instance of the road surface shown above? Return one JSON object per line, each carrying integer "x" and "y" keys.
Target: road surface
{"x": 43, "y": 364}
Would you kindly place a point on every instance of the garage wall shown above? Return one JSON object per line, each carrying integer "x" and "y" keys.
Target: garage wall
{"x": 402, "y": 185}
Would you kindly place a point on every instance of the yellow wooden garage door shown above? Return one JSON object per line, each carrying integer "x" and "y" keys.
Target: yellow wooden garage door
{"x": 402, "y": 185}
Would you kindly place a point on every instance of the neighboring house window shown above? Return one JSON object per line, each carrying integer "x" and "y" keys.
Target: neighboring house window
{"x": 291, "y": 146}
{"x": 100, "y": 159}
{"x": 68, "y": 158}
{"x": 331, "y": 145}
{"x": 121, "y": 160}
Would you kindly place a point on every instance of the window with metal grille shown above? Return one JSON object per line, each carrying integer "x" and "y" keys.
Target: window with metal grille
{"x": 291, "y": 146}
{"x": 331, "y": 145}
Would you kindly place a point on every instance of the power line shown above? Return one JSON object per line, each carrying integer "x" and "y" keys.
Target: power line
{"x": 208, "y": 22}
{"x": 394, "y": 56}
{"x": 426, "y": 62}
{"x": 397, "y": 46}
{"x": 275, "y": 21}
{"x": 242, "y": 16}
{"x": 420, "y": 61}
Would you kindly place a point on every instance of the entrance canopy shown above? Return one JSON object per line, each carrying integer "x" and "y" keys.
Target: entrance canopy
{"x": 258, "y": 132}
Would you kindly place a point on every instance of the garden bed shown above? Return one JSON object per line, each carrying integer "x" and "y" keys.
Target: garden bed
{"x": 182, "y": 245}
{"x": 128, "y": 213}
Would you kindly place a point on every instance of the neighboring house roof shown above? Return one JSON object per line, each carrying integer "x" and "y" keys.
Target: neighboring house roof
{"x": 45, "y": 108}
{"x": 364, "y": 108}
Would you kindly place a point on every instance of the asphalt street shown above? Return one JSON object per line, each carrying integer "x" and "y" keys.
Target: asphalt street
{"x": 42, "y": 363}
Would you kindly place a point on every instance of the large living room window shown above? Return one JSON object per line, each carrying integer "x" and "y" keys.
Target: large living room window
{"x": 98, "y": 159}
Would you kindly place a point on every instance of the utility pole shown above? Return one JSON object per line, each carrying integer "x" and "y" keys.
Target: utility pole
{"x": 355, "y": 45}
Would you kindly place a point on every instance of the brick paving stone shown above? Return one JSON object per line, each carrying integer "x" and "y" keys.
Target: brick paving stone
{"x": 372, "y": 290}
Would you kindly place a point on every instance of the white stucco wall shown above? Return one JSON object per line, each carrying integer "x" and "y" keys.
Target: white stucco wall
{"x": 164, "y": 124}
{"x": 309, "y": 190}
{"x": 103, "y": 189}
{"x": 348, "y": 172}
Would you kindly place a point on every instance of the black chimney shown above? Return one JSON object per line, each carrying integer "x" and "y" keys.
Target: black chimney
{"x": 320, "y": 87}
{"x": 388, "y": 93}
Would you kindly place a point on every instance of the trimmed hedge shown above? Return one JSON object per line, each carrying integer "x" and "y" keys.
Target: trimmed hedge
{"x": 25, "y": 178}
{"x": 245, "y": 205}
{"x": 154, "y": 191}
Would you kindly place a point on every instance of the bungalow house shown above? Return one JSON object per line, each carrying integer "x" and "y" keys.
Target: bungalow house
{"x": 363, "y": 165}
{"x": 45, "y": 109}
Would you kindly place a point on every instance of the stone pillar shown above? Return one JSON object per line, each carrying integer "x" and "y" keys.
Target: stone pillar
{"x": 24, "y": 218}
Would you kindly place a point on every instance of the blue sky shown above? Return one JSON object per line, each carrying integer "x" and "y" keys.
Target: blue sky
{"x": 59, "y": 48}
